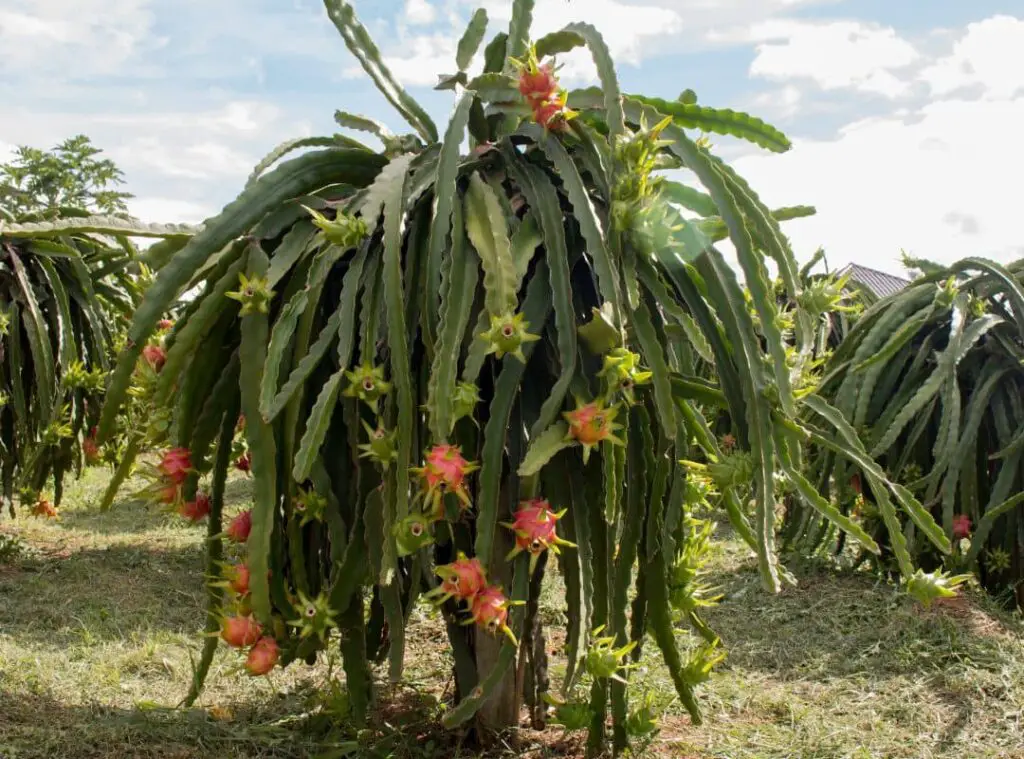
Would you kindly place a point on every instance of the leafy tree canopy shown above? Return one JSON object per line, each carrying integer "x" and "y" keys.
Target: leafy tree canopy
{"x": 70, "y": 174}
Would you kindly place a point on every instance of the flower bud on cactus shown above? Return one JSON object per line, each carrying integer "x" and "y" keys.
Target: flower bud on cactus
{"x": 238, "y": 530}
{"x": 643, "y": 720}
{"x": 534, "y": 527}
{"x": 382, "y": 446}
{"x": 262, "y": 656}
{"x": 444, "y": 471}
{"x": 571, "y": 715}
{"x": 310, "y": 506}
{"x": 507, "y": 335}
{"x": 462, "y": 579}
{"x": 464, "y": 400}
{"x": 701, "y": 662}
{"x": 344, "y": 231}
{"x": 254, "y": 295}
{"x": 621, "y": 373}
{"x": 732, "y": 470}
{"x": 316, "y": 617}
{"x": 489, "y": 611}
{"x": 196, "y": 510}
{"x": 604, "y": 660}
{"x": 412, "y": 534}
{"x": 240, "y": 631}
{"x": 591, "y": 424}
{"x": 367, "y": 384}
{"x": 927, "y": 586}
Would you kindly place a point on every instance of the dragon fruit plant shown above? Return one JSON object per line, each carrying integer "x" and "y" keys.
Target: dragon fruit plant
{"x": 67, "y": 282}
{"x": 476, "y": 365}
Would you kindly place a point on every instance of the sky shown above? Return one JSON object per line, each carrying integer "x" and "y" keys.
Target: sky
{"x": 906, "y": 116}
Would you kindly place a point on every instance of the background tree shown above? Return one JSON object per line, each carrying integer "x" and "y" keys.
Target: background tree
{"x": 69, "y": 175}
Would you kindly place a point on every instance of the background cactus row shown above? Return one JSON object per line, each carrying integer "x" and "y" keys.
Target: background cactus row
{"x": 69, "y": 284}
{"x": 931, "y": 379}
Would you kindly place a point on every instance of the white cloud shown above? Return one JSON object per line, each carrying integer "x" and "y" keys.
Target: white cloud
{"x": 169, "y": 210}
{"x": 834, "y": 55}
{"x": 426, "y": 56}
{"x": 416, "y": 59}
{"x": 626, "y": 27}
{"x": 419, "y": 12}
{"x": 990, "y": 56}
{"x": 72, "y": 39}
{"x": 925, "y": 181}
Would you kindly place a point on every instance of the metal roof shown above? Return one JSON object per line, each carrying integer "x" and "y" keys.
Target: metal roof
{"x": 877, "y": 282}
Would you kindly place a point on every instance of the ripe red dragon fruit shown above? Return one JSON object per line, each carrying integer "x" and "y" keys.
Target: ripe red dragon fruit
{"x": 262, "y": 656}
{"x": 550, "y": 113}
{"x": 590, "y": 424}
{"x": 539, "y": 83}
{"x": 961, "y": 526}
{"x": 175, "y": 465}
{"x": 238, "y": 530}
{"x": 534, "y": 527}
{"x": 168, "y": 493}
{"x": 238, "y": 579}
{"x": 90, "y": 450}
{"x": 155, "y": 356}
{"x": 164, "y": 324}
{"x": 197, "y": 510}
{"x": 489, "y": 610}
{"x": 244, "y": 463}
{"x": 463, "y": 579}
{"x": 444, "y": 471}
{"x": 239, "y": 632}
{"x": 43, "y": 508}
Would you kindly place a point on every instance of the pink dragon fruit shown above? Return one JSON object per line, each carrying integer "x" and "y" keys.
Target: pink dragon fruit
{"x": 590, "y": 424}
{"x": 154, "y": 356}
{"x": 489, "y": 611}
{"x": 238, "y": 530}
{"x": 262, "y": 656}
{"x": 175, "y": 465}
{"x": 463, "y": 579}
{"x": 238, "y": 632}
{"x": 444, "y": 471}
{"x": 197, "y": 510}
{"x": 534, "y": 527}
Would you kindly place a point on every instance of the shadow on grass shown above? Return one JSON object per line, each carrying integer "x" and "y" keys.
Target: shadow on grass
{"x": 296, "y": 724}
{"x": 103, "y": 594}
{"x": 41, "y": 727}
{"x": 838, "y": 625}
{"x": 131, "y": 516}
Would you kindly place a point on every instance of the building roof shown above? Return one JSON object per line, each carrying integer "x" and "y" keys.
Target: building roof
{"x": 880, "y": 284}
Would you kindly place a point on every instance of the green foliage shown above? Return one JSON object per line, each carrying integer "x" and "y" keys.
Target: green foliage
{"x": 66, "y": 292}
{"x": 455, "y": 288}
{"x": 931, "y": 378}
{"x": 68, "y": 176}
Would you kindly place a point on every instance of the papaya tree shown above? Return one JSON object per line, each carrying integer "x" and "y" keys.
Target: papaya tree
{"x": 69, "y": 283}
{"x": 457, "y": 368}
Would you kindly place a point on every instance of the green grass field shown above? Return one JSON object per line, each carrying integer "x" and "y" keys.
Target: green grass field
{"x": 101, "y": 616}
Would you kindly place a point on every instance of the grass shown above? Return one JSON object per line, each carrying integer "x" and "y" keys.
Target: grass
{"x": 101, "y": 616}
